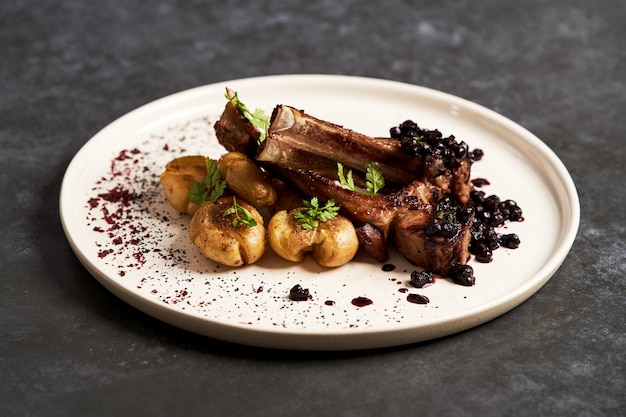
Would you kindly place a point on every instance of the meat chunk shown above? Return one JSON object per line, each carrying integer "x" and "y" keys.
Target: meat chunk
{"x": 297, "y": 140}
{"x": 304, "y": 151}
{"x": 407, "y": 217}
{"x": 234, "y": 132}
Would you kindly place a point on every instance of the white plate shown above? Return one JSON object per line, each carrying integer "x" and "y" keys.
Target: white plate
{"x": 148, "y": 261}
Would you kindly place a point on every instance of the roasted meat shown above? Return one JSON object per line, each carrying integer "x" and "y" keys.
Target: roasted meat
{"x": 422, "y": 230}
{"x": 234, "y": 131}
{"x": 304, "y": 151}
{"x": 298, "y": 140}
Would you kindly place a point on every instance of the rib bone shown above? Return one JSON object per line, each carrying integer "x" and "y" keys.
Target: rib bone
{"x": 297, "y": 140}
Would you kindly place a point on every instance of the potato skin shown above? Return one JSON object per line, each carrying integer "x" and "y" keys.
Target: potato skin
{"x": 333, "y": 243}
{"x": 220, "y": 241}
{"x": 245, "y": 178}
{"x": 288, "y": 239}
{"x": 176, "y": 180}
{"x": 339, "y": 242}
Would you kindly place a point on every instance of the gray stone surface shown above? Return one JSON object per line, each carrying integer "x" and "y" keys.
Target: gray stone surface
{"x": 68, "y": 68}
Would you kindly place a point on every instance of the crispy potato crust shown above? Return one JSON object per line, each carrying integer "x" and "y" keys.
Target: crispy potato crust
{"x": 176, "y": 180}
{"x": 217, "y": 239}
{"x": 333, "y": 243}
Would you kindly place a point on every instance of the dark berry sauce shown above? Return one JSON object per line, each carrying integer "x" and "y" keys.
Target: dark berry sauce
{"x": 388, "y": 267}
{"x": 421, "y": 279}
{"x": 297, "y": 293}
{"x": 432, "y": 144}
{"x": 463, "y": 275}
{"x": 480, "y": 182}
{"x": 484, "y": 213}
{"x": 361, "y": 301}
{"x": 417, "y": 299}
{"x": 491, "y": 213}
{"x": 510, "y": 241}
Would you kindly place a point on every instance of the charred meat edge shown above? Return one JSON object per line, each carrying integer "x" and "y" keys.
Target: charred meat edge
{"x": 306, "y": 149}
{"x": 296, "y": 140}
{"x": 402, "y": 217}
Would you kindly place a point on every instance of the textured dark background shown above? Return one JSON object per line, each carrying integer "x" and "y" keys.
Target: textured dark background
{"x": 68, "y": 68}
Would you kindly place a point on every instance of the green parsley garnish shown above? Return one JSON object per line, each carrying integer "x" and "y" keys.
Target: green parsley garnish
{"x": 446, "y": 216}
{"x": 312, "y": 213}
{"x": 258, "y": 117}
{"x": 212, "y": 186}
{"x": 345, "y": 181}
{"x": 373, "y": 177}
{"x": 242, "y": 215}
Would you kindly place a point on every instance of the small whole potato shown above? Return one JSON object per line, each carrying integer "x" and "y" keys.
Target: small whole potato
{"x": 176, "y": 180}
{"x": 217, "y": 239}
{"x": 246, "y": 179}
{"x": 333, "y": 243}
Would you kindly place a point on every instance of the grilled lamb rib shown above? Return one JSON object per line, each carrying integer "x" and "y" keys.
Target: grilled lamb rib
{"x": 305, "y": 150}
{"x": 234, "y": 132}
{"x": 298, "y": 140}
{"x": 406, "y": 216}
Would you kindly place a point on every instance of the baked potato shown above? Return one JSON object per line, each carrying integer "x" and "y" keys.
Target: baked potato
{"x": 217, "y": 232}
{"x": 246, "y": 179}
{"x": 177, "y": 179}
{"x": 332, "y": 243}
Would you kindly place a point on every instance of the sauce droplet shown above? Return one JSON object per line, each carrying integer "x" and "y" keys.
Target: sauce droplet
{"x": 417, "y": 299}
{"x": 480, "y": 182}
{"x": 361, "y": 301}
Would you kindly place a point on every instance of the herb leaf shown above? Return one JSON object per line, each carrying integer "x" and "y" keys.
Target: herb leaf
{"x": 312, "y": 213}
{"x": 242, "y": 215}
{"x": 373, "y": 177}
{"x": 212, "y": 186}
{"x": 347, "y": 181}
{"x": 446, "y": 216}
{"x": 258, "y": 117}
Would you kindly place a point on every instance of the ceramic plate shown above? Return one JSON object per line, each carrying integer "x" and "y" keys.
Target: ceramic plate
{"x": 121, "y": 228}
